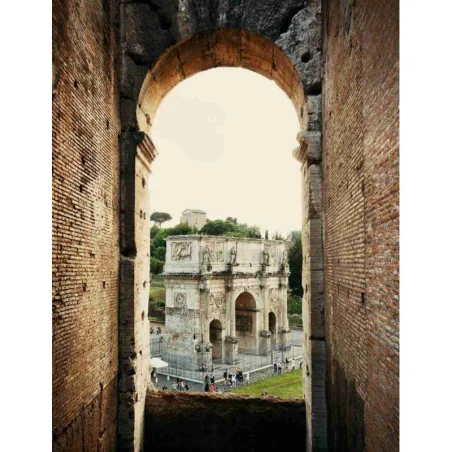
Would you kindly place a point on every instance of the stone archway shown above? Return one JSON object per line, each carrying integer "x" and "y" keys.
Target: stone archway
{"x": 145, "y": 82}
{"x": 216, "y": 339}
{"x": 246, "y": 328}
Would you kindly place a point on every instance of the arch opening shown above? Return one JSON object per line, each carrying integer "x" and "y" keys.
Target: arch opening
{"x": 219, "y": 48}
{"x": 246, "y": 328}
{"x": 272, "y": 326}
{"x": 216, "y": 339}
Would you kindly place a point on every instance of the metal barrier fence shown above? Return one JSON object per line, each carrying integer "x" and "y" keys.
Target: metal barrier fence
{"x": 184, "y": 366}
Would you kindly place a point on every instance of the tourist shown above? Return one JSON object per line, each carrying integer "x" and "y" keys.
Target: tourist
{"x": 153, "y": 372}
{"x": 186, "y": 387}
{"x": 230, "y": 379}
{"x": 159, "y": 330}
{"x": 234, "y": 381}
{"x": 152, "y": 330}
{"x": 225, "y": 376}
{"x": 212, "y": 387}
{"x": 275, "y": 367}
{"x": 279, "y": 369}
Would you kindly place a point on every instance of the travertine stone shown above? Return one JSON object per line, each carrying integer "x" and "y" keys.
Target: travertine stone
{"x": 218, "y": 286}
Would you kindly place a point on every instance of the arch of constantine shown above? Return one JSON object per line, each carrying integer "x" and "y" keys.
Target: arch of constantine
{"x": 225, "y": 296}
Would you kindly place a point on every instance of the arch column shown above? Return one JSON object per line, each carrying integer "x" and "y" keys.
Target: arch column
{"x": 310, "y": 156}
{"x": 137, "y": 154}
{"x": 230, "y": 341}
{"x": 265, "y": 336}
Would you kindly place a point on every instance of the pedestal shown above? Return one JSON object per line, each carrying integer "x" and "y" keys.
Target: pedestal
{"x": 204, "y": 356}
{"x": 231, "y": 350}
{"x": 283, "y": 340}
{"x": 265, "y": 342}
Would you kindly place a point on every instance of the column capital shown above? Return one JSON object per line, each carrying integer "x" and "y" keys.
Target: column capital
{"x": 310, "y": 148}
{"x": 147, "y": 151}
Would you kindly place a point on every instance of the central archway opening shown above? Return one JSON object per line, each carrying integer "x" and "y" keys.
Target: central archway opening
{"x": 246, "y": 327}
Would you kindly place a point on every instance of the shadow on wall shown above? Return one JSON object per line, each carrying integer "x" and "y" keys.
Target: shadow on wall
{"x": 346, "y": 428}
{"x": 223, "y": 422}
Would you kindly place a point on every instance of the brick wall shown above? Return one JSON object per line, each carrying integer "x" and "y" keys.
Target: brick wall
{"x": 85, "y": 230}
{"x": 223, "y": 422}
{"x": 360, "y": 208}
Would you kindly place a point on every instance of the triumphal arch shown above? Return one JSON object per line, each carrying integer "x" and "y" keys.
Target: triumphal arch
{"x": 225, "y": 296}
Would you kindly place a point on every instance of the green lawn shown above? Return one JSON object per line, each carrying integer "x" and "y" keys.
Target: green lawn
{"x": 285, "y": 386}
{"x": 157, "y": 293}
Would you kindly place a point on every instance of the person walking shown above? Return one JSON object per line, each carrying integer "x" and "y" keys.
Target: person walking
{"x": 279, "y": 369}
{"x": 275, "y": 367}
{"x": 234, "y": 381}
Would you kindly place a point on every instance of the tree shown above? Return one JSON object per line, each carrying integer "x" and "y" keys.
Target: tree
{"x": 160, "y": 217}
{"x": 295, "y": 257}
{"x": 277, "y": 236}
{"x": 232, "y": 220}
{"x": 266, "y": 234}
{"x": 218, "y": 227}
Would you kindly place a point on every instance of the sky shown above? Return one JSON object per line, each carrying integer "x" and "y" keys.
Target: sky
{"x": 225, "y": 139}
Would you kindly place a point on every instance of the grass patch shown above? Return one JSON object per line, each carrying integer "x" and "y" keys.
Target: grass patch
{"x": 157, "y": 294}
{"x": 285, "y": 386}
{"x": 157, "y": 282}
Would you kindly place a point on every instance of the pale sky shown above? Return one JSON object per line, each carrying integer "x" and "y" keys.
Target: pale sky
{"x": 225, "y": 139}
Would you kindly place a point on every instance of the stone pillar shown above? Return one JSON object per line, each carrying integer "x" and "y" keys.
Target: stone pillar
{"x": 231, "y": 346}
{"x": 232, "y": 318}
{"x": 137, "y": 154}
{"x": 204, "y": 347}
{"x": 265, "y": 336}
{"x": 265, "y": 301}
{"x": 265, "y": 342}
{"x": 309, "y": 154}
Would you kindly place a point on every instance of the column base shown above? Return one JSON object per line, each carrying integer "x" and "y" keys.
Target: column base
{"x": 231, "y": 350}
{"x": 283, "y": 338}
{"x": 265, "y": 342}
{"x": 204, "y": 356}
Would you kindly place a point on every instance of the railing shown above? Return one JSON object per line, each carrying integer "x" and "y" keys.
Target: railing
{"x": 184, "y": 366}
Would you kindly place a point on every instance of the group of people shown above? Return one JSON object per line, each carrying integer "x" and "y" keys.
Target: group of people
{"x": 289, "y": 364}
{"x": 159, "y": 330}
{"x": 178, "y": 386}
{"x": 232, "y": 379}
{"x": 209, "y": 383}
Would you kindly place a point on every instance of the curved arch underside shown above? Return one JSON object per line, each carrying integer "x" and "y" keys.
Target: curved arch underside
{"x": 219, "y": 48}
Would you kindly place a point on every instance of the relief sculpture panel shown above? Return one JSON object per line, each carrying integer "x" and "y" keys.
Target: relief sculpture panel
{"x": 181, "y": 251}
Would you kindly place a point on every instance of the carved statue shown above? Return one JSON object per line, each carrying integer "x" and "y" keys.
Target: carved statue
{"x": 284, "y": 259}
{"x": 206, "y": 256}
{"x": 233, "y": 256}
{"x": 266, "y": 257}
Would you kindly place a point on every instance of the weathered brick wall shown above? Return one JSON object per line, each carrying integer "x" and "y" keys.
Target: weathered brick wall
{"x": 360, "y": 202}
{"x": 223, "y": 422}
{"x": 85, "y": 229}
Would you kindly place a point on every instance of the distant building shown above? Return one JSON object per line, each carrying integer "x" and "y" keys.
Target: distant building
{"x": 194, "y": 218}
